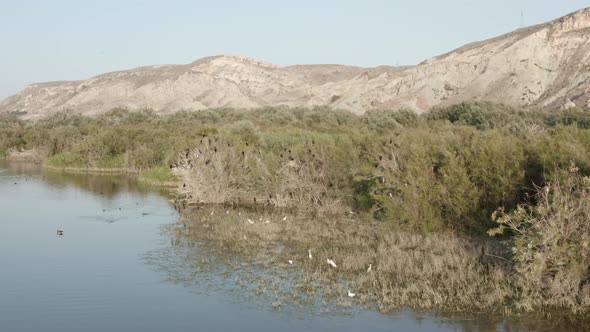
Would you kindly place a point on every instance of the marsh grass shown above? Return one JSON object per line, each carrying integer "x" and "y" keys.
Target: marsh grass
{"x": 442, "y": 273}
{"x": 421, "y": 271}
{"x": 159, "y": 175}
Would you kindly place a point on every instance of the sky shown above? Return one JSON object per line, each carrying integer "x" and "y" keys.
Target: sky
{"x": 77, "y": 39}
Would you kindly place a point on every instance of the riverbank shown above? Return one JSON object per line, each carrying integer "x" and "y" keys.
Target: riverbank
{"x": 152, "y": 177}
{"x": 156, "y": 176}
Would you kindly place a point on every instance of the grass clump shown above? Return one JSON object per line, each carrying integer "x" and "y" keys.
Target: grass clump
{"x": 158, "y": 175}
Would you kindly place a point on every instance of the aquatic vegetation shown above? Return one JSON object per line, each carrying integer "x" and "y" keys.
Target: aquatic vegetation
{"x": 423, "y": 271}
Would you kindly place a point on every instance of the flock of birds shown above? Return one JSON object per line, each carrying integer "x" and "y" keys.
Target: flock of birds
{"x": 329, "y": 261}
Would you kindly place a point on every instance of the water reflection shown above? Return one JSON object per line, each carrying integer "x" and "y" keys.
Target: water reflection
{"x": 107, "y": 185}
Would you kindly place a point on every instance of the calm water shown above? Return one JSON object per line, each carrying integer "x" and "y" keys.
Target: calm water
{"x": 106, "y": 273}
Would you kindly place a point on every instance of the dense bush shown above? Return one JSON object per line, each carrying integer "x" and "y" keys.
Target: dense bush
{"x": 551, "y": 243}
{"x": 486, "y": 115}
{"x": 452, "y": 167}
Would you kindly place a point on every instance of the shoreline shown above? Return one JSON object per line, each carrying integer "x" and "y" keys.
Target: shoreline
{"x": 114, "y": 171}
{"x": 42, "y": 163}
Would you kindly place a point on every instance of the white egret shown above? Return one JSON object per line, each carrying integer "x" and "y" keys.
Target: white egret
{"x": 284, "y": 218}
{"x": 351, "y": 294}
{"x": 250, "y": 221}
{"x": 267, "y": 222}
{"x": 212, "y": 212}
{"x": 291, "y": 262}
{"x": 309, "y": 253}
{"x": 370, "y": 268}
{"x": 227, "y": 212}
{"x": 331, "y": 262}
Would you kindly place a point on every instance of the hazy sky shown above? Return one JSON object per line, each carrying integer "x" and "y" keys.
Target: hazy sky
{"x": 65, "y": 40}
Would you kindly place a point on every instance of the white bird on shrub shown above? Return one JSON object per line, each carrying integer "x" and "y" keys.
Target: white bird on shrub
{"x": 284, "y": 218}
{"x": 331, "y": 262}
{"x": 291, "y": 262}
{"x": 351, "y": 294}
{"x": 250, "y": 221}
{"x": 212, "y": 212}
{"x": 309, "y": 253}
{"x": 370, "y": 268}
{"x": 267, "y": 222}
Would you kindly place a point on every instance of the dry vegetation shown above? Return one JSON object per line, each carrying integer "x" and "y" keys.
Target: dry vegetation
{"x": 551, "y": 245}
{"x": 424, "y": 271}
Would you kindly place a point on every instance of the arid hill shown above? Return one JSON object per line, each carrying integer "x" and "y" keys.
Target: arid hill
{"x": 545, "y": 65}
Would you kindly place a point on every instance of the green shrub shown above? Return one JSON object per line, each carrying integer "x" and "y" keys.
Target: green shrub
{"x": 66, "y": 159}
{"x": 159, "y": 174}
{"x": 551, "y": 243}
{"x": 450, "y": 168}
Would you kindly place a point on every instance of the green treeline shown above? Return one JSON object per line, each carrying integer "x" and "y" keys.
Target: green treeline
{"x": 452, "y": 167}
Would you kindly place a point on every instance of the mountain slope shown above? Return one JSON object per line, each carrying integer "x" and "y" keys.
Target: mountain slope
{"x": 544, "y": 65}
